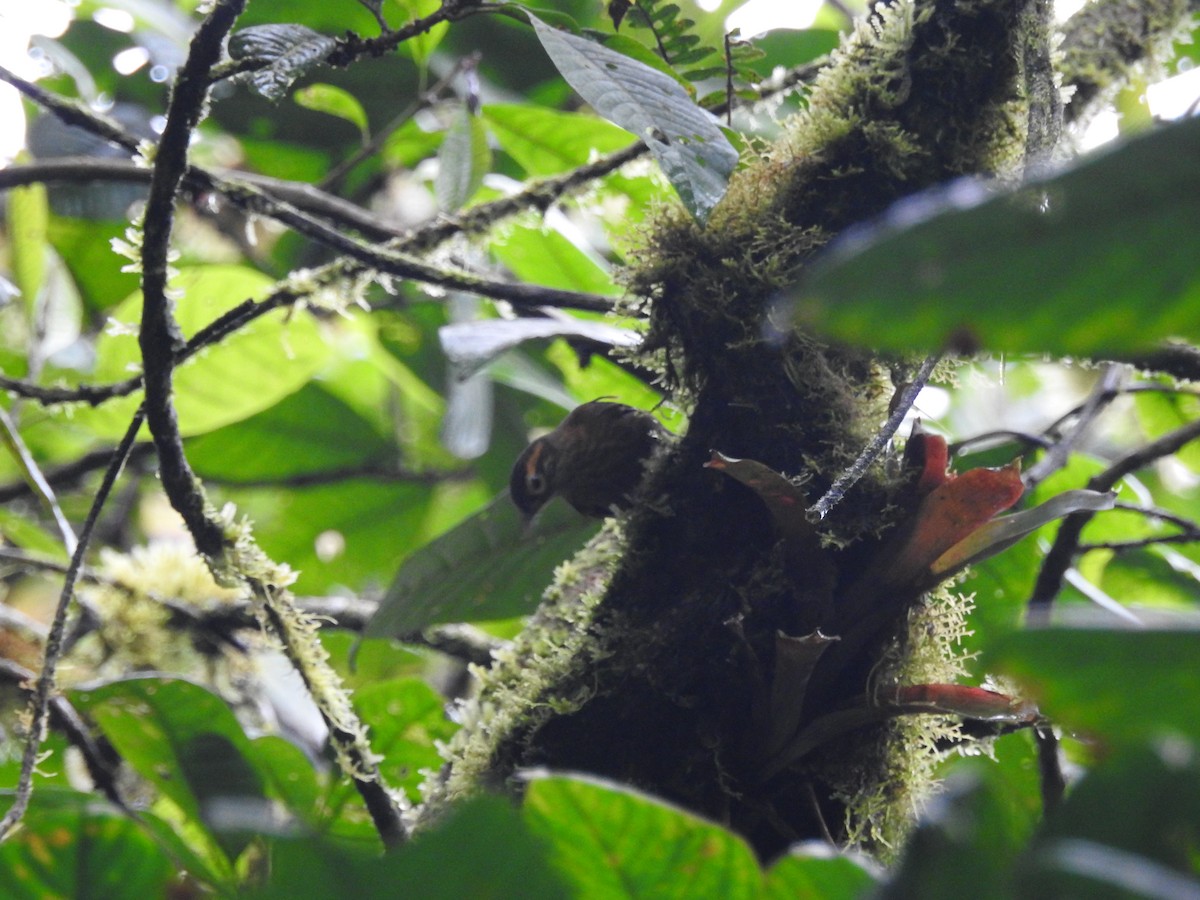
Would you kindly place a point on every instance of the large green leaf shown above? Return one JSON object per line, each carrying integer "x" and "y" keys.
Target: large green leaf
{"x": 1102, "y": 257}
{"x": 490, "y": 566}
{"x": 247, "y": 372}
{"x": 545, "y": 256}
{"x": 71, "y": 844}
{"x": 484, "y": 851}
{"x": 546, "y": 142}
{"x": 407, "y": 719}
{"x": 308, "y": 432}
{"x": 1119, "y": 685}
{"x": 186, "y": 742}
{"x": 611, "y": 841}
{"x": 1128, "y": 829}
{"x": 692, "y": 150}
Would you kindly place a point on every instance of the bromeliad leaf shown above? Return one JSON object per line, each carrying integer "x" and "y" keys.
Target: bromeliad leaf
{"x": 692, "y": 150}
{"x": 286, "y": 52}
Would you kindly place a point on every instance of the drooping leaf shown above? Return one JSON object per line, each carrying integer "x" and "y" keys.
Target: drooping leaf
{"x": 685, "y": 139}
{"x": 487, "y": 567}
{"x": 422, "y": 45}
{"x": 186, "y": 742}
{"x": 285, "y": 51}
{"x": 1021, "y": 271}
{"x": 463, "y": 160}
{"x": 472, "y": 345}
{"x": 1001, "y": 533}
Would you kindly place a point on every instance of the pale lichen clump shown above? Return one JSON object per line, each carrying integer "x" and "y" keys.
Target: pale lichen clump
{"x": 884, "y": 796}
{"x": 132, "y": 594}
{"x": 535, "y": 677}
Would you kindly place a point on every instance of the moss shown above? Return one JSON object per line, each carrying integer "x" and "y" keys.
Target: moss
{"x": 1109, "y": 43}
{"x": 542, "y": 673}
{"x": 655, "y": 669}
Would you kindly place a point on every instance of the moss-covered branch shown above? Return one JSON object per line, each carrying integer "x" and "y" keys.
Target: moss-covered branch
{"x": 669, "y": 678}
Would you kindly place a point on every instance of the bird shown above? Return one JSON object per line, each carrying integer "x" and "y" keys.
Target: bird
{"x": 594, "y": 460}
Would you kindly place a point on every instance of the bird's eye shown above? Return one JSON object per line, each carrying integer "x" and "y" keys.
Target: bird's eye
{"x": 535, "y": 483}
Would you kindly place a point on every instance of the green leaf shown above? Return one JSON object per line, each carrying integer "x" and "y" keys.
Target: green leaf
{"x": 407, "y": 719}
{"x": 484, "y": 851}
{"x": 692, "y": 150}
{"x": 28, "y": 217}
{"x": 611, "y": 841}
{"x": 1026, "y": 270}
{"x": 334, "y": 101}
{"x": 420, "y": 46}
{"x": 546, "y": 142}
{"x": 85, "y": 247}
{"x": 544, "y": 256}
{"x": 967, "y": 843}
{"x": 247, "y": 372}
{"x": 305, "y": 433}
{"x": 186, "y": 742}
{"x": 1127, "y": 829}
{"x": 819, "y": 872}
{"x": 490, "y": 566}
{"x": 1122, "y": 686}
{"x": 1159, "y": 413}
{"x": 70, "y": 844}
{"x": 463, "y": 160}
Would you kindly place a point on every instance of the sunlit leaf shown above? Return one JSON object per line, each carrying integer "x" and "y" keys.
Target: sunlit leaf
{"x": 472, "y": 345}
{"x": 334, "y": 101}
{"x": 685, "y": 140}
{"x": 609, "y": 840}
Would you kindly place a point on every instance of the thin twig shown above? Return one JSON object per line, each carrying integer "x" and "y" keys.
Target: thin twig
{"x": 1052, "y": 780}
{"x": 878, "y": 444}
{"x": 1062, "y": 552}
{"x": 1105, "y": 391}
{"x": 40, "y": 702}
{"x": 66, "y": 719}
{"x": 35, "y": 478}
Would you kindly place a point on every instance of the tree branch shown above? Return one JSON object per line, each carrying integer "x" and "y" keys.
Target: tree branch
{"x": 43, "y": 690}
{"x": 1066, "y": 542}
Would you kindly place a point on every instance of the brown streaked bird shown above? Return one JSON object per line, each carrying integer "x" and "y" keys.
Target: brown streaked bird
{"x": 594, "y": 459}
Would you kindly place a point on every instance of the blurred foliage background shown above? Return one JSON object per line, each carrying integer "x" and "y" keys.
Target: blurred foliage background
{"x": 356, "y": 426}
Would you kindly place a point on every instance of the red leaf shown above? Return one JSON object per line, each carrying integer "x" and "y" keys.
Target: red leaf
{"x": 952, "y": 511}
